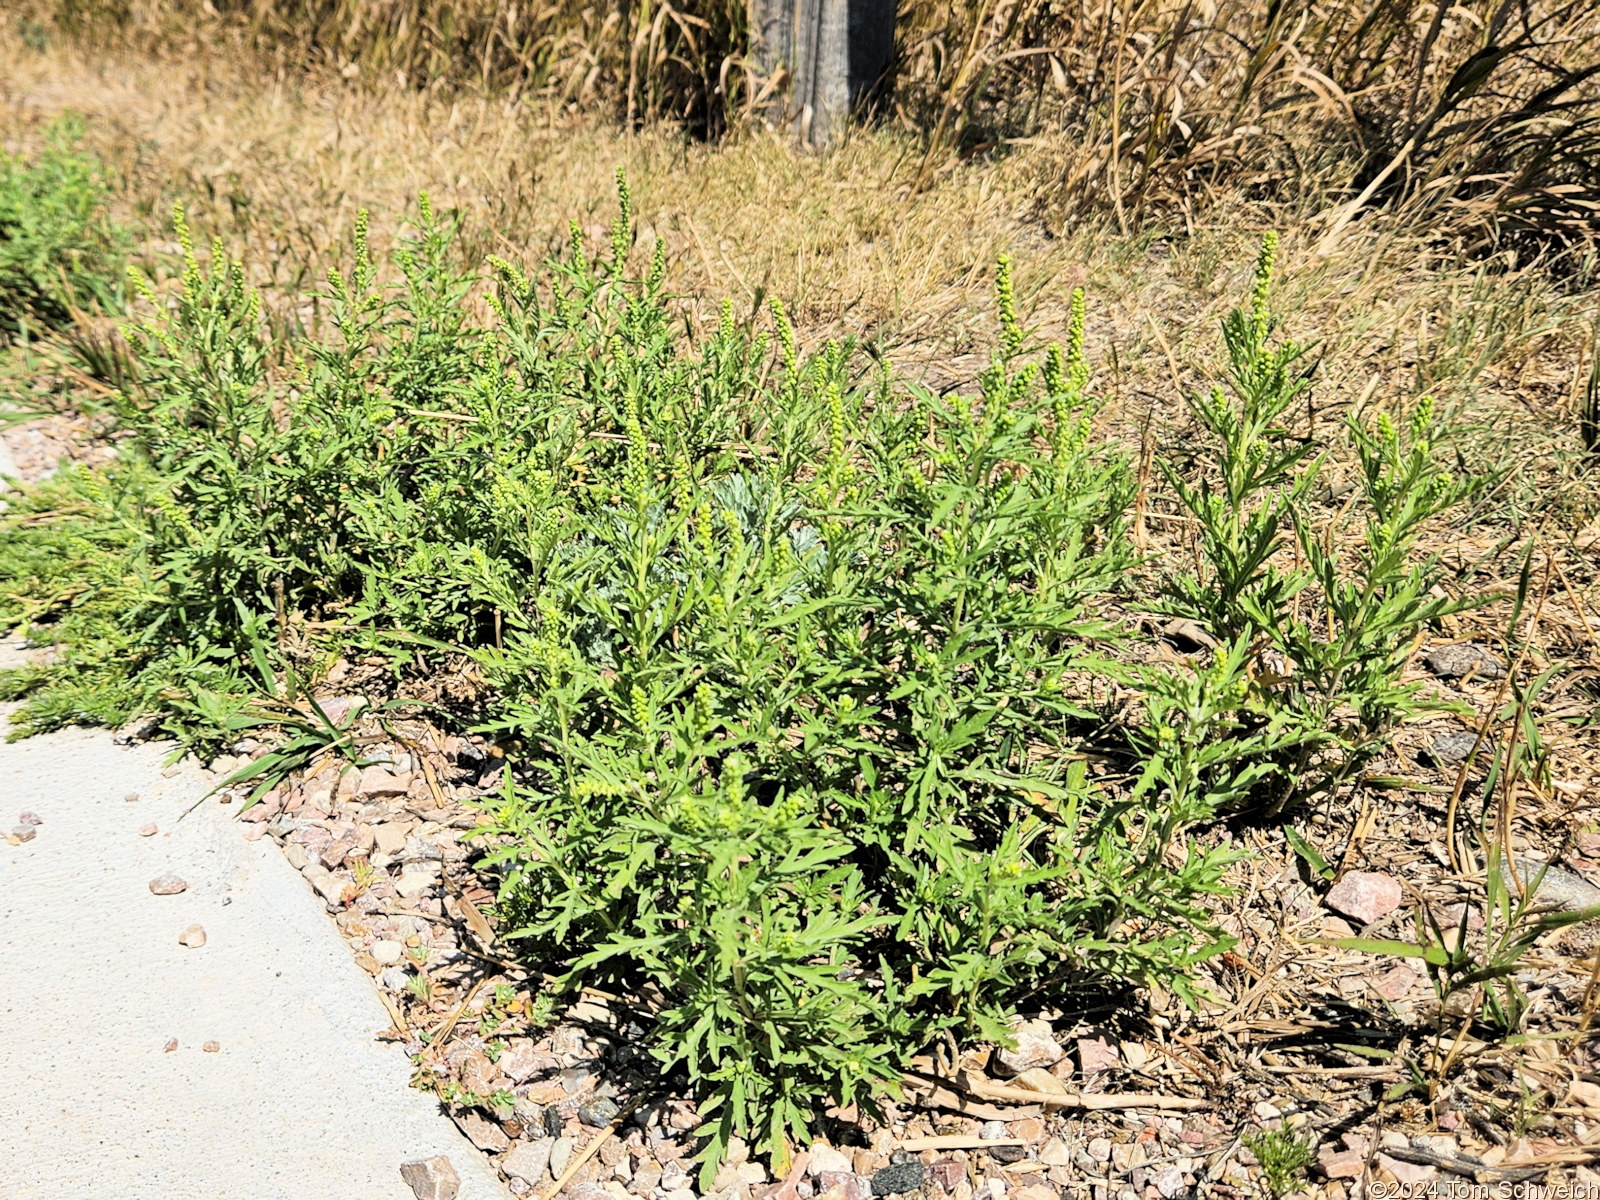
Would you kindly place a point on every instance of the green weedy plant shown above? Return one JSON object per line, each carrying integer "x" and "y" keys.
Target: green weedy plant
{"x": 58, "y": 249}
{"x": 1284, "y": 1157}
{"x": 797, "y": 710}
{"x": 799, "y": 660}
{"x": 1321, "y": 640}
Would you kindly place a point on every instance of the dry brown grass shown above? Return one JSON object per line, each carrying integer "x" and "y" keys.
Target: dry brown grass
{"x": 1478, "y": 121}
{"x": 280, "y": 167}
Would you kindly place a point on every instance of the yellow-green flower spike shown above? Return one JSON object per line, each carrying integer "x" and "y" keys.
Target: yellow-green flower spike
{"x": 638, "y": 451}
{"x": 1005, "y": 294}
{"x": 658, "y": 266}
{"x": 703, "y": 708}
{"x": 1263, "y": 281}
{"x": 836, "y": 435}
{"x": 1077, "y": 368}
{"x": 624, "y": 197}
{"x": 1055, "y": 375}
{"x": 363, "y": 258}
{"x": 1422, "y": 419}
{"x": 702, "y": 528}
{"x": 191, "y": 265}
{"x": 791, "y": 361}
{"x": 683, "y": 483}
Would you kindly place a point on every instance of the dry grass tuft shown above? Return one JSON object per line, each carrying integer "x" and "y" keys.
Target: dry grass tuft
{"x": 1479, "y": 120}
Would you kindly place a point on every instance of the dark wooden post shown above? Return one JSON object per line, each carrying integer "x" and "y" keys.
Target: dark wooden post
{"x": 835, "y": 52}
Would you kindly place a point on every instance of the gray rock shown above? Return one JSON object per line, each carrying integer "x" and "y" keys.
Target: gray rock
{"x": 1168, "y": 1181}
{"x": 528, "y": 1161}
{"x": 1365, "y": 896}
{"x": 295, "y": 855}
{"x": 646, "y": 1177}
{"x": 739, "y": 1178}
{"x": 314, "y": 837}
{"x": 727, "y": 1180}
{"x": 851, "y": 1186}
{"x": 1558, "y": 889}
{"x": 338, "y": 708}
{"x": 328, "y": 885}
{"x": 1096, "y": 1054}
{"x": 411, "y": 886}
{"x": 167, "y": 885}
{"x": 575, "y": 1079}
{"x": 1461, "y": 660}
{"x": 898, "y": 1178}
{"x": 1035, "y": 1048}
{"x": 552, "y": 1122}
{"x": 334, "y": 853}
{"x": 598, "y": 1113}
{"x": 380, "y": 782}
{"x": 1450, "y": 748}
{"x": 432, "y": 1178}
{"x": 24, "y": 833}
{"x": 826, "y": 1158}
{"x": 390, "y": 838}
{"x": 393, "y": 978}
{"x": 1055, "y": 1153}
{"x": 421, "y": 850}
{"x": 1441, "y": 1144}
{"x": 520, "y": 1060}
{"x": 560, "y": 1154}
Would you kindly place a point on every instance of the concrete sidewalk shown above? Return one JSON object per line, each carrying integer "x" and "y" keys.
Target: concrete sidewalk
{"x": 298, "y": 1102}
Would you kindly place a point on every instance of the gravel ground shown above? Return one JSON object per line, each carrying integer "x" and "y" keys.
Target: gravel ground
{"x": 138, "y": 1066}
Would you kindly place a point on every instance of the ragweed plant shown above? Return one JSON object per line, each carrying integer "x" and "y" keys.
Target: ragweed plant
{"x": 797, "y": 657}
{"x": 1323, "y": 632}
{"x": 796, "y": 725}
{"x": 58, "y": 249}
